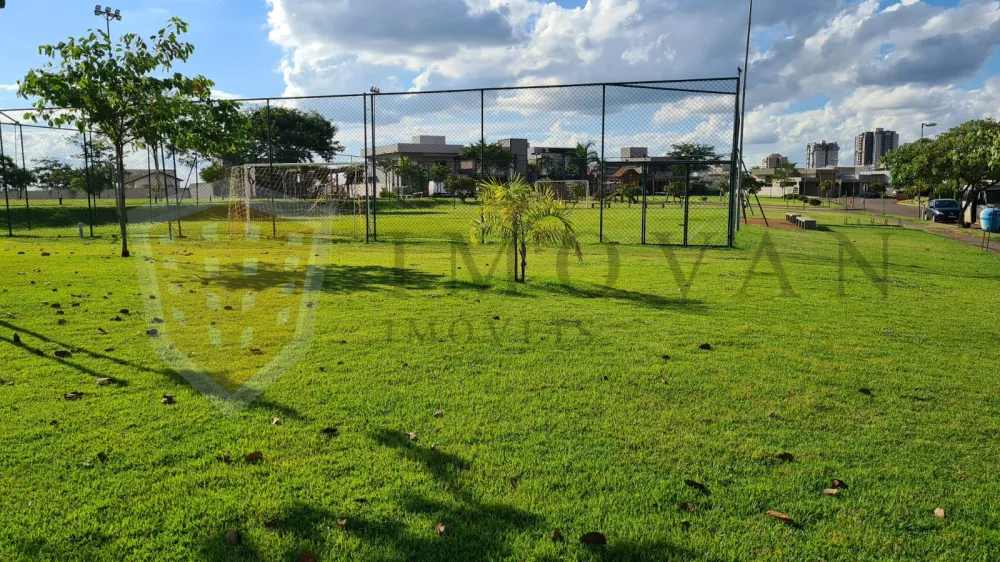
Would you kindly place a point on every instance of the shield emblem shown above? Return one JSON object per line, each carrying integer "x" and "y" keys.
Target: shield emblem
{"x": 228, "y": 309}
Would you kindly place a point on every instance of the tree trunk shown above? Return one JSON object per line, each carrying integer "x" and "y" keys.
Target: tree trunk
{"x": 120, "y": 185}
{"x": 524, "y": 259}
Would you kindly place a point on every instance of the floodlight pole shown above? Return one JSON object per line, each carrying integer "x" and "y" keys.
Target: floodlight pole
{"x": 743, "y": 110}
{"x": 109, "y": 14}
{"x": 920, "y": 213}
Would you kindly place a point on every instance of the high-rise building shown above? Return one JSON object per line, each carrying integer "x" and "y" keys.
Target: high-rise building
{"x": 822, "y": 154}
{"x": 870, "y": 147}
{"x": 771, "y": 161}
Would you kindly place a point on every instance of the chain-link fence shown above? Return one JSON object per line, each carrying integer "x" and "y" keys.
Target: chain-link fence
{"x": 634, "y": 163}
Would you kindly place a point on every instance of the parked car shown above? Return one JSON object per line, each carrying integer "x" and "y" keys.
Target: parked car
{"x": 942, "y": 210}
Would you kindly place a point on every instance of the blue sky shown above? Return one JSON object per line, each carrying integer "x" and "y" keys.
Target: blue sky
{"x": 822, "y": 69}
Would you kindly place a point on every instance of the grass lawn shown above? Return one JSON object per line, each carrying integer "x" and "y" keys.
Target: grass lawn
{"x": 580, "y": 401}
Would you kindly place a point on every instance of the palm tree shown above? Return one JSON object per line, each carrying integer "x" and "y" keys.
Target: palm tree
{"x": 386, "y": 166}
{"x": 585, "y": 156}
{"x": 516, "y": 212}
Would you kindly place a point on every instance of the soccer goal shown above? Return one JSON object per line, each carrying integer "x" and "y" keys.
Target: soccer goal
{"x": 292, "y": 192}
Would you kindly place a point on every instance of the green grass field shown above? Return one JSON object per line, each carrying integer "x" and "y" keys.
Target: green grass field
{"x": 580, "y": 401}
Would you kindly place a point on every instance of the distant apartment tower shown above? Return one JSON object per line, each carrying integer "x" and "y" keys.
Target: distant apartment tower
{"x": 822, "y": 154}
{"x": 770, "y": 162}
{"x": 871, "y": 146}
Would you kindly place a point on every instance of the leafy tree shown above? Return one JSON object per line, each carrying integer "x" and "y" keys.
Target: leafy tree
{"x": 783, "y": 174}
{"x": 723, "y": 187}
{"x": 411, "y": 174}
{"x": 675, "y": 190}
{"x": 294, "y": 136}
{"x": 498, "y": 159}
{"x": 54, "y": 175}
{"x": 13, "y": 176}
{"x": 354, "y": 174}
{"x": 692, "y": 151}
{"x": 464, "y": 186}
{"x": 918, "y": 167}
{"x": 752, "y": 184}
{"x": 213, "y": 173}
{"x": 126, "y": 93}
{"x": 545, "y": 166}
{"x": 970, "y": 161}
{"x": 880, "y": 189}
{"x": 518, "y": 213}
{"x": 826, "y": 187}
{"x": 386, "y": 165}
{"x": 439, "y": 172}
{"x": 630, "y": 192}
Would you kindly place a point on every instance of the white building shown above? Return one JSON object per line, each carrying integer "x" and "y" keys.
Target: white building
{"x": 822, "y": 154}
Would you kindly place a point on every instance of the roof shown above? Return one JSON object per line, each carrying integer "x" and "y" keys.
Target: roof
{"x": 405, "y": 148}
{"x": 622, "y": 172}
{"x": 138, "y": 174}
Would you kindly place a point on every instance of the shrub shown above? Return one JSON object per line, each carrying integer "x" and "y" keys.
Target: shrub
{"x": 386, "y": 194}
{"x": 791, "y": 196}
{"x": 815, "y": 202}
{"x": 803, "y": 198}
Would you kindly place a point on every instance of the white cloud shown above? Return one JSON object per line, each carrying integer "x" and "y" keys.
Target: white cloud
{"x": 889, "y": 66}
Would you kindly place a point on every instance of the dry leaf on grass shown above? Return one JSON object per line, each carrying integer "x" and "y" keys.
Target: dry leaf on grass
{"x": 73, "y": 395}
{"x": 781, "y": 517}
{"x": 411, "y": 436}
{"x": 556, "y": 536}
{"x": 441, "y": 529}
{"x": 307, "y": 557}
{"x": 168, "y": 399}
{"x": 253, "y": 457}
{"x": 939, "y": 513}
{"x": 831, "y": 491}
{"x": 438, "y": 414}
{"x": 838, "y": 484}
{"x": 342, "y": 523}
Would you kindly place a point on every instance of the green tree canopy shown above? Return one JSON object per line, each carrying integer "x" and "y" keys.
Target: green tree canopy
{"x": 129, "y": 93}
{"x": 294, "y": 136}
{"x": 439, "y": 172}
{"x": 13, "y": 176}
{"x": 498, "y": 159}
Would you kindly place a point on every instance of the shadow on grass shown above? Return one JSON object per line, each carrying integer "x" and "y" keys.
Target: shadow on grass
{"x": 345, "y": 279}
{"x": 71, "y": 364}
{"x": 593, "y": 291}
{"x": 476, "y": 530}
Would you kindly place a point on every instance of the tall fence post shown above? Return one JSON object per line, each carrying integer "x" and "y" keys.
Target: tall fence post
{"x": 374, "y": 176}
{"x": 90, "y": 185}
{"x": 27, "y": 203}
{"x": 270, "y": 173}
{"x": 149, "y": 184}
{"x": 734, "y": 217}
{"x": 687, "y": 201}
{"x": 197, "y": 185}
{"x": 600, "y": 181}
{"x": 642, "y": 182}
{"x": 482, "y": 156}
{"x": 177, "y": 193}
{"x": 6, "y": 197}
{"x": 364, "y": 164}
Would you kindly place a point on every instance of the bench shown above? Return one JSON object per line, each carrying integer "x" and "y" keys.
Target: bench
{"x": 791, "y": 217}
{"x": 805, "y": 223}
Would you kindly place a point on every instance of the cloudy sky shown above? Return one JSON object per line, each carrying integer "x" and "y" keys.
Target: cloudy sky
{"x": 820, "y": 70}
